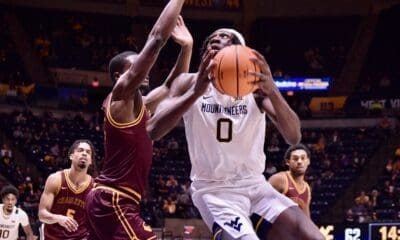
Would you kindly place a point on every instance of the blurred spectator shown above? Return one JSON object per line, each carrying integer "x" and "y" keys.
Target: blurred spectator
{"x": 384, "y": 127}
{"x": 334, "y": 142}
{"x": 358, "y": 161}
{"x": 173, "y": 186}
{"x": 349, "y": 216}
{"x": 303, "y": 110}
{"x": 161, "y": 189}
{"x": 273, "y": 147}
{"x": 363, "y": 199}
{"x": 55, "y": 150}
{"x": 270, "y": 169}
{"x": 388, "y": 189}
{"x": 389, "y": 167}
{"x": 375, "y": 199}
{"x": 169, "y": 207}
{"x": 396, "y": 166}
{"x": 397, "y": 152}
{"x": 5, "y": 149}
{"x": 7, "y": 160}
{"x": 319, "y": 147}
{"x": 360, "y": 212}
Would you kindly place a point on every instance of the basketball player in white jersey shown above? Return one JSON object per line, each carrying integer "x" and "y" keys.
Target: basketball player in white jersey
{"x": 226, "y": 140}
{"x": 11, "y": 216}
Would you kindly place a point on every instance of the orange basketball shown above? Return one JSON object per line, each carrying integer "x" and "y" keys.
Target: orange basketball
{"x": 231, "y": 74}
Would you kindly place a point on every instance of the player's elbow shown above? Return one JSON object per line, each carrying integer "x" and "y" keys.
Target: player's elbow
{"x": 154, "y": 135}
{"x": 294, "y": 137}
{"x": 153, "y": 132}
{"x": 157, "y": 39}
{"x": 41, "y": 216}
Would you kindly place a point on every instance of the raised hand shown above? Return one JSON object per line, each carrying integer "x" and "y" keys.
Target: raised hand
{"x": 204, "y": 74}
{"x": 181, "y": 34}
{"x": 265, "y": 81}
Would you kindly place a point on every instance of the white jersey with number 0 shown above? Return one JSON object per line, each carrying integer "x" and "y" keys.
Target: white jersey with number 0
{"x": 9, "y": 224}
{"x": 225, "y": 137}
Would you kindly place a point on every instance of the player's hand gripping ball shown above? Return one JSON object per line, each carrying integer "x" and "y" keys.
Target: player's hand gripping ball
{"x": 231, "y": 73}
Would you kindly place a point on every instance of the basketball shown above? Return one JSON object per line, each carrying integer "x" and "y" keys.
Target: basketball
{"x": 231, "y": 74}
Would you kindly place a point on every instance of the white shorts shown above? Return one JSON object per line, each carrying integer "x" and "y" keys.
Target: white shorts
{"x": 231, "y": 203}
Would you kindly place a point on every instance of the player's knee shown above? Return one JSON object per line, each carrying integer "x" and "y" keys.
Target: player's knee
{"x": 318, "y": 237}
{"x": 249, "y": 237}
{"x": 311, "y": 235}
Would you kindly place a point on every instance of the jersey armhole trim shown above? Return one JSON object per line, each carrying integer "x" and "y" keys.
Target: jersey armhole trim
{"x": 59, "y": 185}
{"x": 116, "y": 124}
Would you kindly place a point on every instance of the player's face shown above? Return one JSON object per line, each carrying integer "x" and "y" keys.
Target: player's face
{"x": 298, "y": 162}
{"x": 219, "y": 39}
{"x": 81, "y": 157}
{"x": 9, "y": 202}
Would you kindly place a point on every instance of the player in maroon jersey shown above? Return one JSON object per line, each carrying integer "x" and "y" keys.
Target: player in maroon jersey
{"x": 291, "y": 182}
{"x": 62, "y": 204}
{"x": 113, "y": 205}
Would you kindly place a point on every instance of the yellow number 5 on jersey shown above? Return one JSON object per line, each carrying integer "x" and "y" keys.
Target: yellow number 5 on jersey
{"x": 70, "y": 213}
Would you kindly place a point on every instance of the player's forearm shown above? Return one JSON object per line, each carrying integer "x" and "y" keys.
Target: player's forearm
{"x": 166, "y": 21}
{"x": 169, "y": 113}
{"x": 182, "y": 64}
{"x": 29, "y": 234}
{"x": 31, "y": 237}
{"x": 47, "y": 217}
{"x": 286, "y": 119}
{"x": 155, "y": 96}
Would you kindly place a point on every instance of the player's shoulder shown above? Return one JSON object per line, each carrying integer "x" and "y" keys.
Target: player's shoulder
{"x": 278, "y": 177}
{"x": 282, "y": 174}
{"x": 56, "y": 175}
{"x": 54, "y": 180}
{"x": 19, "y": 211}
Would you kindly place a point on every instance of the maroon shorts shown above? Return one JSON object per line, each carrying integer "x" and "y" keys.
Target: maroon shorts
{"x": 113, "y": 214}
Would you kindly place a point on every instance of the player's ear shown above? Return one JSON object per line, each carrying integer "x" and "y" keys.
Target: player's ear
{"x": 116, "y": 76}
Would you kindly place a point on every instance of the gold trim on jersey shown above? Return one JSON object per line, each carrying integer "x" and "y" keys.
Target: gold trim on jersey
{"x": 295, "y": 184}
{"x": 116, "y": 124}
{"x": 124, "y": 221}
{"x": 58, "y": 187}
{"x": 130, "y": 190}
{"x": 217, "y": 233}
{"x": 71, "y": 187}
{"x": 121, "y": 217}
{"x": 258, "y": 223}
{"x": 113, "y": 190}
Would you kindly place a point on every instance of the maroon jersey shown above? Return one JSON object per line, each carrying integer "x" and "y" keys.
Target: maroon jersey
{"x": 69, "y": 202}
{"x": 299, "y": 196}
{"x": 128, "y": 154}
